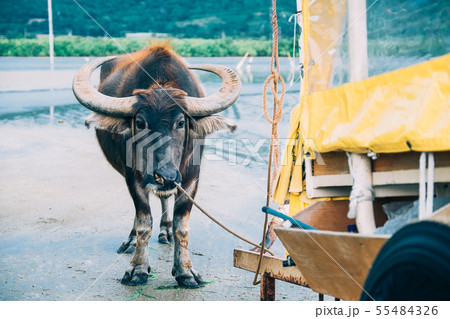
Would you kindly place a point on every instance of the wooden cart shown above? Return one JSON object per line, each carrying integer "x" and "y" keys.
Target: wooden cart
{"x": 332, "y": 261}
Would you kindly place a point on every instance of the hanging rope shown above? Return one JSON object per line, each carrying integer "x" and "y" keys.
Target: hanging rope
{"x": 273, "y": 79}
{"x": 274, "y": 151}
{"x": 296, "y": 17}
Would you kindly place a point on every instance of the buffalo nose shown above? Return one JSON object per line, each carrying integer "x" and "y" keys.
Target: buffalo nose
{"x": 164, "y": 175}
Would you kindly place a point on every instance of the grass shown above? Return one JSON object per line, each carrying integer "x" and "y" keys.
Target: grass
{"x": 75, "y": 46}
{"x": 178, "y": 287}
{"x": 151, "y": 276}
{"x": 140, "y": 291}
{"x": 80, "y": 46}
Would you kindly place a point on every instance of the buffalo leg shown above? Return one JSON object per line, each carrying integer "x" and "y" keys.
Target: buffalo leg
{"x": 185, "y": 275}
{"x": 165, "y": 226}
{"x": 129, "y": 245}
{"x": 137, "y": 273}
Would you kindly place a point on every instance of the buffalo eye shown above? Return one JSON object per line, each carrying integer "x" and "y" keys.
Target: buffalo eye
{"x": 180, "y": 124}
{"x": 140, "y": 124}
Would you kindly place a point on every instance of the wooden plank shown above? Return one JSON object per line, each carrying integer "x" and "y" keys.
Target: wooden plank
{"x": 442, "y": 215}
{"x": 271, "y": 266}
{"x": 332, "y": 180}
{"x": 333, "y": 263}
{"x": 267, "y": 288}
{"x": 396, "y": 190}
{"x": 380, "y": 191}
{"x": 394, "y": 175}
{"x": 332, "y": 215}
{"x": 386, "y": 184}
{"x": 406, "y": 161}
{"x": 309, "y": 177}
{"x": 442, "y": 175}
{"x": 327, "y": 191}
{"x": 326, "y": 215}
{"x": 335, "y": 163}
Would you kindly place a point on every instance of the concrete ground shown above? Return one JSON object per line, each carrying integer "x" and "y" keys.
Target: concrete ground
{"x": 64, "y": 211}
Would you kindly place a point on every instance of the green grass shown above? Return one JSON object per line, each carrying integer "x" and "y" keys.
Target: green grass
{"x": 140, "y": 292}
{"x": 79, "y": 46}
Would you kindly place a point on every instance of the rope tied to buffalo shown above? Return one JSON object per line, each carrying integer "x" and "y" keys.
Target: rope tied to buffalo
{"x": 274, "y": 150}
{"x": 189, "y": 197}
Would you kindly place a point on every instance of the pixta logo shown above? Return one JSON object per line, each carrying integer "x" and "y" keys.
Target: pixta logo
{"x": 146, "y": 143}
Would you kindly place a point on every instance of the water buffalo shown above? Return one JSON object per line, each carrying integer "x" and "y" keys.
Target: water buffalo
{"x": 149, "y": 115}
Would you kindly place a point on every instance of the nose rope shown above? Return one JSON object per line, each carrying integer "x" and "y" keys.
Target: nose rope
{"x": 216, "y": 221}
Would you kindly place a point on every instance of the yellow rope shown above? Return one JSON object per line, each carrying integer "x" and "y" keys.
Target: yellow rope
{"x": 274, "y": 151}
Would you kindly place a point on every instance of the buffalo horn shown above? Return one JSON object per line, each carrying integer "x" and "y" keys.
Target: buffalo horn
{"x": 227, "y": 95}
{"x": 88, "y": 96}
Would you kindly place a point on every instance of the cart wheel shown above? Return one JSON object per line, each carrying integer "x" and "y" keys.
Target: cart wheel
{"x": 413, "y": 265}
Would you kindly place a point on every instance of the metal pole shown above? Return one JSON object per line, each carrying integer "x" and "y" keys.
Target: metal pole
{"x": 430, "y": 185}
{"x": 50, "y": 34}
{"x": 422, "y": 185}
{"x": 301, "y": 54}
{"x": 357, "y": 38}
{"x": 361, "y": 164}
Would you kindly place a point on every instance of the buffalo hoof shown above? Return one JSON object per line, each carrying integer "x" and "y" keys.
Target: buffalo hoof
{"x": 189, "y": 279}
{"x": 165, "y": 237}
{"x": 135, "y": 276}
{"x": 128, "y": 246}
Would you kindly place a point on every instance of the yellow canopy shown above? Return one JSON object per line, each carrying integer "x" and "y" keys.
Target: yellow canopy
{"x": 403, "y": 110}
{"x": 408, "y": 109}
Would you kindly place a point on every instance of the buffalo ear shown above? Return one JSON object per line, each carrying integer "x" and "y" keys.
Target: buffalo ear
{"x": 107, "y": 123}
{"x": 210, "y": 124}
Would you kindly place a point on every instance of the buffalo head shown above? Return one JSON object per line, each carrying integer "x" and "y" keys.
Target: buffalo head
{"x": 163, "y": 121}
